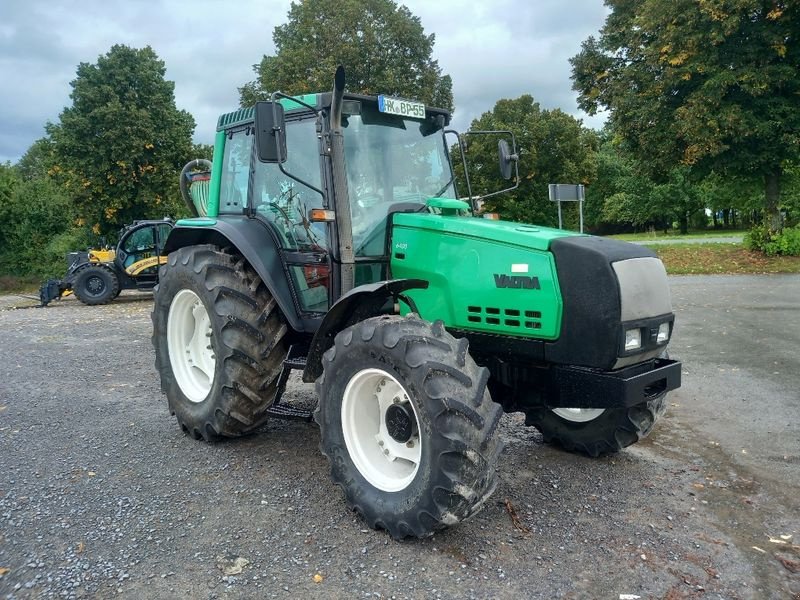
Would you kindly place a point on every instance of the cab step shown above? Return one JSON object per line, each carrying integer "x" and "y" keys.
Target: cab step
{"x": 284, "y": 411}
{"x": 295, "y": 360}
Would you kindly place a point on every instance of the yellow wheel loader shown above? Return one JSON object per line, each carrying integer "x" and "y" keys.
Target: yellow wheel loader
{"x": 96, "y": 276}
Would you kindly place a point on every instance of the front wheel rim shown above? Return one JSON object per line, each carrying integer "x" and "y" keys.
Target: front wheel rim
{"x": 190, "y": 345}
{"x": 579, "y": 415}
{"x": 388, "y": 460}
{"x": 95, "y": 285}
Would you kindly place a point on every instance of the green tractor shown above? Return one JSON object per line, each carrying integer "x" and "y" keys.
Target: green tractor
{"x": 333, "y": 242}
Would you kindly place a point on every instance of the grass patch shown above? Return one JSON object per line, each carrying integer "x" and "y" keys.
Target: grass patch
{"x": 705, "y": 259}
{"x": 12, "y": 284}
{"x": 672, "y": 234}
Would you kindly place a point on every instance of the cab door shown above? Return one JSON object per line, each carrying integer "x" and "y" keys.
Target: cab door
{"x": 284, "y": 202}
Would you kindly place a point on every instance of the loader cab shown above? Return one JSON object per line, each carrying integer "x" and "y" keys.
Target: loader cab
{"x": 139, "y": 247}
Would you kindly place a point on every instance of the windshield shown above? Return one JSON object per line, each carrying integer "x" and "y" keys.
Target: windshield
{"x": 390, "y": 160}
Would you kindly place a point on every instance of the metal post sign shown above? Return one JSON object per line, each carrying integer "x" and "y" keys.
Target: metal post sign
{"x": 566, "y": 192}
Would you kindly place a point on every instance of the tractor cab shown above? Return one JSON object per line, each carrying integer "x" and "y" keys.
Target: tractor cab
{"x": 324, "y": 174}
{"x": 139, "y": 248}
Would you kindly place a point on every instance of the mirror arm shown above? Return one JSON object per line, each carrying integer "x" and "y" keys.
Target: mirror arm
{"x": 514, "y": 156}
{"x": 280, "y": 132}
{"x": 462, "y": 148}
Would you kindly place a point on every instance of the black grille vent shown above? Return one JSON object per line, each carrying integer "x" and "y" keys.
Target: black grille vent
{"x": 509, "y": 317}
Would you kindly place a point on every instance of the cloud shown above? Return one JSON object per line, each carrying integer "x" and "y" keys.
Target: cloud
{"x": 491, "y": 50}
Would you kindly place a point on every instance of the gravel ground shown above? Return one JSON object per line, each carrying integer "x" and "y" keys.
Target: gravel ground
{"x": 102, "y": 496}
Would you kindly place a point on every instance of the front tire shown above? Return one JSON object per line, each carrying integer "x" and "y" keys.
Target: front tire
{"x": 95, "y": 285}
{"x": 597, "y": 431}
{"x": 408, "y": 425}
{"x": 219, "y": 342}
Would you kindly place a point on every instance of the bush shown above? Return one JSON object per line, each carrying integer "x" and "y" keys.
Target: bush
{"x": 785, "y": 243}
{"x": 36, "y": 230}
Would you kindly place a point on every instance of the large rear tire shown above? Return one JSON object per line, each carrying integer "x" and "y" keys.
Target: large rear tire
{"x": 408, "y": 425}
{"x": 96, "y": 284}
{"x": 219, "y": 342}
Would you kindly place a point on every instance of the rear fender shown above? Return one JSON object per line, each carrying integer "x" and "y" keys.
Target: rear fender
{"x": 362, "y": 302}
{"x": 253, "y": 240}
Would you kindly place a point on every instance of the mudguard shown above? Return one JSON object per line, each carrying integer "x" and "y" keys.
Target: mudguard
{"x": 362, "y": 302}
{"x": 253, "y": 239}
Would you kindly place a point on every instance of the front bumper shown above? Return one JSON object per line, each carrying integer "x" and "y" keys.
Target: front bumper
{"x": 581, "y": 387}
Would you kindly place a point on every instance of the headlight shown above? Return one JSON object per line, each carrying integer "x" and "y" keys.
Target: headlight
{"x": 663, "y": 333}
{"x": 633, "y": 339}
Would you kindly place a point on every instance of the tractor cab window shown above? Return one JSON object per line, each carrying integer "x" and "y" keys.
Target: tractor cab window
{"x": 390, "y": 160}
{"x": 235, "y": 171}
{"x": 284, "y": 201}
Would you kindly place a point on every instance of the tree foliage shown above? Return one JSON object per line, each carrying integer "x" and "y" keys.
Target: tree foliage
{"x": 627, "y": 196}
{"x": 710, "y": 84}
{"x": 37, "y": 161}
{"x": 120, "y": 146}
{"x": 36, "y": 228}
{"x": 553, "y": 147}
{"x": 383, "y": 47}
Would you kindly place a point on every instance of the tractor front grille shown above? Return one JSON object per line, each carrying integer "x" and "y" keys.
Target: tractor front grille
{"x": 504, "y": 317}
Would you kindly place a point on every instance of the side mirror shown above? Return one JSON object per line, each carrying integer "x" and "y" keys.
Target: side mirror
{"x": 270, "y": 138}
{"x": 506, "y": 159}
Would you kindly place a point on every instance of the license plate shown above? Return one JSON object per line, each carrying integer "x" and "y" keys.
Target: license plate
{"x": 404, "y": 108}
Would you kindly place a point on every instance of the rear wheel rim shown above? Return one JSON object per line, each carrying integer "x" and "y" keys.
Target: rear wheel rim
{"x": 375, "y": 444}
{"x": 190, "y": 345}
{"x": 579, "y": 415}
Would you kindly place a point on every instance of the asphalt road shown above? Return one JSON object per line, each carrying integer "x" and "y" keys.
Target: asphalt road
{"x": 102, "y": 496}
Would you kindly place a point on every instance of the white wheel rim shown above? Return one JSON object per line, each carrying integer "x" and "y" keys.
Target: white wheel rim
{"x": 579, "y": 415}
{"x": 384, "y": 462}
{"x": 189, "y": 342}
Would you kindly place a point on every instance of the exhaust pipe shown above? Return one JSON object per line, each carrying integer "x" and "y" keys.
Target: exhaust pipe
{"x": 336, "y": 100}
{"x": 340, "y": 191}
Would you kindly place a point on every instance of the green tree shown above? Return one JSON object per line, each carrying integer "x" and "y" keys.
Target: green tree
{"x": 678, "y": 198}
{"x": 202, "y": 151}
{"x": 618, "y": 197}
{"x": 120, "y": 146}
{"x": 37, "y": 161}
{"x": 381, "y": 45}
{"x": 710, "y": 84}
{"x": 553, "y": 147}
{"x": 8, "y": 180}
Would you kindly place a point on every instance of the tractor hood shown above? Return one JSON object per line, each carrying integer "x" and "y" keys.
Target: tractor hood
{"x": 573, "y": 296}
{"x": 504, "y": 232}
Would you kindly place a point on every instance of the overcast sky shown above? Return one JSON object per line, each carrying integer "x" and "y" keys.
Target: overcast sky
{"x": 492, "y": 50}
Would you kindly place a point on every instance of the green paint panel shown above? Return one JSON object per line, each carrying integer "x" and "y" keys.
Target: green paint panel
{"x": 196, "y": 222}
{"x": 448, "y": 203}
{"x": 487, "y": 276}
{"x": 507, "y": 232}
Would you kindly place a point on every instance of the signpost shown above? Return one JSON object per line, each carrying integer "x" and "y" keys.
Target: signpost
{"x": 563, "y": 192}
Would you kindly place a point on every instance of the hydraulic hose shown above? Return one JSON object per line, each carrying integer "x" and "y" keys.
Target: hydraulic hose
{"x": 184, "y": 178}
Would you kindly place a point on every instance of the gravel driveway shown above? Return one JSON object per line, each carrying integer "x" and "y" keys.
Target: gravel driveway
{"x": 102, "y": 496}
